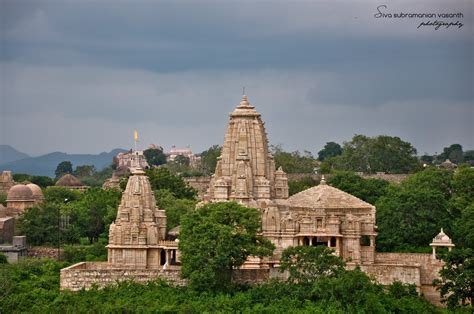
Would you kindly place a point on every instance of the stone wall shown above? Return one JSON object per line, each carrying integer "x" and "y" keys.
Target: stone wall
{"x": 87, "y": 274}
{"x": 398, "y": 265}
{"x": 201, "y": 184}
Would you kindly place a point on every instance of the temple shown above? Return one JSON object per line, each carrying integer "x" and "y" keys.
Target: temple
{"x": 246, "y": 173}
{"x": 322, "y": 215}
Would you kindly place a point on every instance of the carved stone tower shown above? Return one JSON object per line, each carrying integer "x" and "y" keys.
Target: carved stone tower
{"x": 136, "y": 236}
{"x": 245, "y": 171}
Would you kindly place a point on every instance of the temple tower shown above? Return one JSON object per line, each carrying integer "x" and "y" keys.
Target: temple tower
{"x": 245, "y": 171}
{"x": 136, "y": 238}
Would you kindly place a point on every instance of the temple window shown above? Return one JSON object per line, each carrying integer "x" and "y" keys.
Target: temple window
{"x": 365, "y": 240}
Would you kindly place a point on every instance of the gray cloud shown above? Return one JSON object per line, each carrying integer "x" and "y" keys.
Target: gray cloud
{"x": 318, "y": 71}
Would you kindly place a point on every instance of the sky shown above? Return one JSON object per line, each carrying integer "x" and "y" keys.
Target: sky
{"x": 80, "y": 76}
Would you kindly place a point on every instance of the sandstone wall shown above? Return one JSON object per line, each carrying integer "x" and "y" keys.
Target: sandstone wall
{"x": 201, "y": 184}
{"x": 86, "y": 274}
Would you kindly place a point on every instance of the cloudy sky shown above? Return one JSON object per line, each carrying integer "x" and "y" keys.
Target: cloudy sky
{"x": 79, "y": 76}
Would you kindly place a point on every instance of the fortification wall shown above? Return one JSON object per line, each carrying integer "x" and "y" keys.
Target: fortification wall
{"x": 87, "y": 274}
{"x": 201, "y": 184}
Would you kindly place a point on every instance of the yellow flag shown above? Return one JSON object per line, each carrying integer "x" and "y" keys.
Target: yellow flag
{"x": 135, "y": 135}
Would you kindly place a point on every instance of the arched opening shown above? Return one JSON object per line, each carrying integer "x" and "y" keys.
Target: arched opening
{"x": 333, "y": 242}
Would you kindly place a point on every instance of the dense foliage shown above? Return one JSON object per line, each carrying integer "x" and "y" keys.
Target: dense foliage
{"x": 41, "y": 181}
{"x": 32, "y": 286}
{"x": 63, "y": 168}
{"x": 457, "y": 278}
{"x": 301, "y": 185}
{"x": 67, "y": 215}
{"x": 209, "y": 159}
{"x": 331, "y": 149}
{"x": 155, "y": 156}
{"x": 307, "y": 264}
{"x": 175, "y": 207}
{"x": 369, "y": 190}
{"x": 294, "y": 162}
{"x": 375, "y": 154}
{"x": 217, "y": 238}
{"x": 162, "y": 178}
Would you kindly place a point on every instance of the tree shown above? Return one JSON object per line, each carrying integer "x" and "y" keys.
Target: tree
{"x": 331, "y": 149}
{"x": 84, "y": 171}
{"x": 410, "y": 218}
{"x": 301, "y": 185}
{"x": 3, "y": 199}
{"x": 294, "y": 162}
{"x": 369, "y": 190}
{"x": 63, "y": 168}
{"x": 175, "y": 208}
{"x": 306, "y": 264}
{"x": 469, "y": 156}
{"x": 41, "y": 181}
{"x": 209, "y": 158}
{"x": 155, "y": 156}
{"x": 40, "y": 224}
{"x": 162, "y": 178}
{"x": 91, "y": 210}
{"x": 453, "y": 152}
{"x": 215, "y": 239}
{"x": 378, "y": 154}
{"x": 456, "y": 285}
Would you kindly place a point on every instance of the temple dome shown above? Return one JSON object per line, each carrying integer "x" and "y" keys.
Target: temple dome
{"x": 69, "y": 180}
{"x": 20, "y": 192}
{"x": 442, "y": 239}
{"x": 326, "y": 196}
{"x": 37, "y": 193}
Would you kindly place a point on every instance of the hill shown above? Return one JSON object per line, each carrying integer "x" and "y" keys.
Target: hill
{"x": 9, "y": 154}
{"x": 45, "y": 165}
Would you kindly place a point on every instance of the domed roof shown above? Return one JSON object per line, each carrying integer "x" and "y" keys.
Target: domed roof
{"x": 20, "y": 192}
{"x": 37, "y": 193}
{"x": 69, "y": 180}
{"x": 326, "y": 196}
{"x": 442, "y": 239}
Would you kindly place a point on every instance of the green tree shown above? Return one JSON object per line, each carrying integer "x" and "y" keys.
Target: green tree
{"x": 301, "y": 185}
{"x": 175, "y": 208}
{"x": 84, "y": 171}
{"x": 468, "y": 156}
{"x": 41, "y": 181}
{"x": 155, "y": 156}
{"x": 294, "y": 162}
{"x": 162, "y": 178}
{"x": 462, "y": 204}
{"x": 40, "y": 225}
{"x": 454, "y": 153}
{"x": 306, "y": 264}
{"x": 456, "y": 285}
{"x": 63, "y": 168}
{"x": 331, "y": 149}
{"x": 91, "y": 211}
{"x": 410, "y": 218}
{"x": 3, "y": 199}
{"x": 378, "y": 154}
{"x": 369, "y": 190}
{"x": 217, "y": 238}
{"x": 3, "y": 259}
{"x": 209, "y": 159}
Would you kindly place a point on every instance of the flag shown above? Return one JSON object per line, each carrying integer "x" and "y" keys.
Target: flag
{"x": 135, "y": 135}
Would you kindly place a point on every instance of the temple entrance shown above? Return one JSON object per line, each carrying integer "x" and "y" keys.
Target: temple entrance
{"x": 318, "y": 242}
{"x": 162, "y": 257}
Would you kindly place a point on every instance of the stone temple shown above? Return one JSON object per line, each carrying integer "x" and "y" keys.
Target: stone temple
{"x": 246, "y": 173}
{"x": 322, "y": 215}
{"x": 138, "y": 248}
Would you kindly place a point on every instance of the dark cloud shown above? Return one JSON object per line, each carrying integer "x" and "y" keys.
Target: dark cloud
{"x": 318, "y": 71}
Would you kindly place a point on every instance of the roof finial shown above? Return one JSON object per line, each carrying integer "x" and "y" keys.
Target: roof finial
{"x": 243, "y": 90}
{"x": 323, "y": 180}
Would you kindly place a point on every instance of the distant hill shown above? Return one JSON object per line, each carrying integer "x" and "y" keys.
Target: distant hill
{"x": 9, "y": 154}
{"x": 46, "y": 165}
